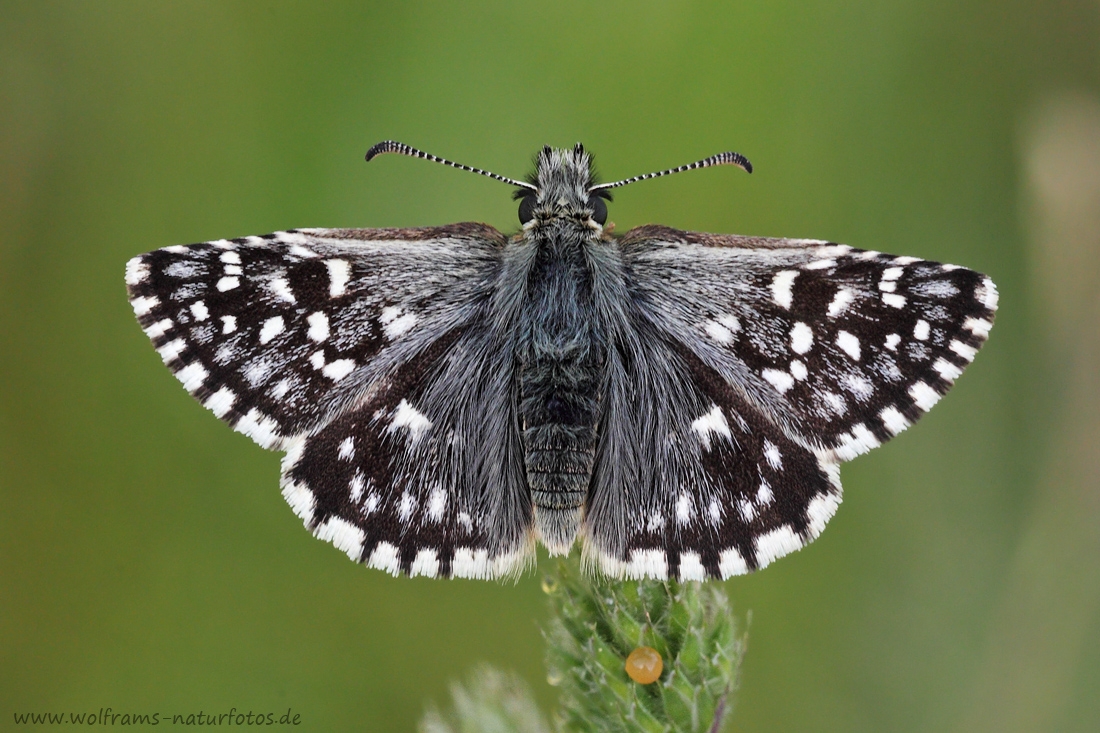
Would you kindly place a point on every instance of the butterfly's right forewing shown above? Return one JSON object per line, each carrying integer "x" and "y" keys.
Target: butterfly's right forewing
{"x": 752, "y": 369}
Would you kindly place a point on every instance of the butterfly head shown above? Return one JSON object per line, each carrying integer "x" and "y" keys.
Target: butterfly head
{"x": 562, "y": 189}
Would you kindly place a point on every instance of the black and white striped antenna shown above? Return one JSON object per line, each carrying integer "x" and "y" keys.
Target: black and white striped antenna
{"x": 721, "y": 159}
{"x": 392, "y": 146}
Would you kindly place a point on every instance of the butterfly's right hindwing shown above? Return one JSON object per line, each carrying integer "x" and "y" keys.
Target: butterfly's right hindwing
{"x": 754, "y": 367}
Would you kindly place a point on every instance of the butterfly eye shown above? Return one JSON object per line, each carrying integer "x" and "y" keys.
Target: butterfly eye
{"x": 527, "y": 209}
{"x": 599, "y": 209}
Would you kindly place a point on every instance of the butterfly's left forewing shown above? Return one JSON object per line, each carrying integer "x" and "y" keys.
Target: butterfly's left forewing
{"x": 344, "y": 347}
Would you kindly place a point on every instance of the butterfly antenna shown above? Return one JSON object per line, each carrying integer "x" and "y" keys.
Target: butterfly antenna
{"x": 721, "y": 159}
{"x": 392, "y": 146}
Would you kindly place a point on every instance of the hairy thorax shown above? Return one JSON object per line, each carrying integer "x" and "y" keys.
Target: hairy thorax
{"x": 561, "y": 363}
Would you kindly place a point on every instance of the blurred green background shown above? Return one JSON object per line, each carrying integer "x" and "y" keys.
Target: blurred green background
{"x": 148, "y": 562}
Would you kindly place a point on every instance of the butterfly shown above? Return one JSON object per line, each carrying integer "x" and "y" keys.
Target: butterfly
{"x": 447, "y": 397}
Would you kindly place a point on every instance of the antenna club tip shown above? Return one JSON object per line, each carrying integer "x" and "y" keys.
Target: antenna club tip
{"x": 738, "y": 160}
{"x": 386, "y": 146}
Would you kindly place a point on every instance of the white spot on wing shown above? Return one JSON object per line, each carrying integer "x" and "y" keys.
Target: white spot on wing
{"x": 859, "y": 386}
{"x": 820, "y": 511}
{"x": 259, "y": 427}
{"x": 841, "y": 301}
{"x": 978, "y": 326}
{"x": 719, "y": 333}
{"x": 987, "y": 294}
{"x": 730, "y": 322}
{"x": 159, "y": 328}
{"x": 228, "y": 283}
{"x": 922, "y": 330}
{"x": 437, "y": 502}
{"x": 647, "y": 564}
{"x": 893, "y": 420}
{"x": 394, "y": 323}
{"x": 407, "y": 416}
{"x": 281, "y": 288}
{"x": 272, "y": 327}
{"x": 691, "y": 567}
{"x": 782, "y": 381}
{"x": 338, "y": 369}
{"x": 318, "y": 326}
{"x": 772, "y": 455}
{"x": 802, "y": 338}
{"x": 301, "y": 500}
{"x": 731, "y": 563}
{"x": 406, "y": 506}
{"x": 425, "y": 563}
{"x": 685, "y": 508}
{"x": 136, "y": 271}
{"x": 347, "y": 448}
{"x": 849, "y": 344}
{"x": 947, "y": 370}
{"x": 230, "y": 258}
{"x": 171, "y": 350}
{"x": 192, "y": 376}
{"x": 855, "y": 443}
{"x": 221, "y": 401}
{"x": 893, "y": 300}
{"x": 299, "y": 251}
{"x": 835, "y": 402}
{"x": 469, "y": 563}
{"x": 782, "y": 287}
{"x": 775, "y": 544}
{"x": 712, "y": 422}
{"x": 799, "y": 370}
{"x": 385, "y": 557}
{"x": 356, "y": 485}
{"x": 923, "y": 396}
{"x": 144, "y": 305}
{"x": 198, "y": 309}
{"x": 892, "y": 342}
{"x": 344, "y": 535}
{"x": 339, "y": 272}
{"x": 965, "y": 351}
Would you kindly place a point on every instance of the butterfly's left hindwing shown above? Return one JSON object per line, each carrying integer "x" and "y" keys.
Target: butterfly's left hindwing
{"x": 425, "y": 475}
{"x": 343, "y": 347}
